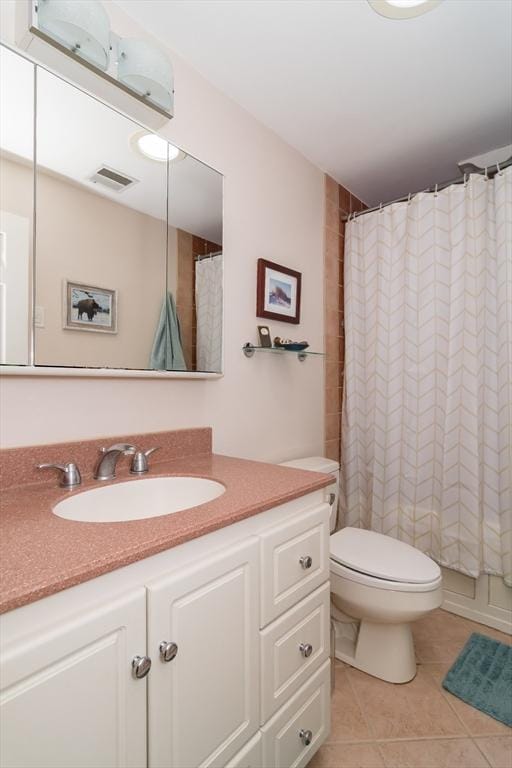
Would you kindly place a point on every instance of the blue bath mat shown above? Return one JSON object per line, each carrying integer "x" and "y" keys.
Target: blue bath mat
{"x": 482, "y": 677}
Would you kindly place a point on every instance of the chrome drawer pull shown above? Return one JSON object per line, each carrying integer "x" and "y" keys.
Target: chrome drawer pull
{"x": 168, "y": 651}
{"x": 306, "y": 737}
{"x": 141, "y": 666}
{"x": 306, "y": 561}
{"x": 306, "y": 649}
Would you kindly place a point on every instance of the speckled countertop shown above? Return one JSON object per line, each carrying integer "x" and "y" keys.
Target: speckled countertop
{"x": 41, "y": 554}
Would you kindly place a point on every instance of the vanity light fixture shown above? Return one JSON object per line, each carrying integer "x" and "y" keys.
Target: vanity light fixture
{"x": 403, "y": 9}
{"x": 81, "y": 26}
{"x": 81, "y": 30}
{"x": 155, "y": 147}
{"x": 145, "y": 70}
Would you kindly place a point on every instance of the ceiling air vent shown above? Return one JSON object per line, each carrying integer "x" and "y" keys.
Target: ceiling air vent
{"x": 114, "y": 180}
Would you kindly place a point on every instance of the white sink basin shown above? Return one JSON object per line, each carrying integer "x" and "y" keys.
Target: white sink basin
{"x": 138, "y": 499}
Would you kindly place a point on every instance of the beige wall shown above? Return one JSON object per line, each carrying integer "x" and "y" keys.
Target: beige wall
{"x": 87, "y": 238}
{"x": 268, "y": 407}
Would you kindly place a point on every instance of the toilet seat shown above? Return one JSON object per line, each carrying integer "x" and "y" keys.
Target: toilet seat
{"x": 377, "y": 583}
{"x": 377, "y": 560}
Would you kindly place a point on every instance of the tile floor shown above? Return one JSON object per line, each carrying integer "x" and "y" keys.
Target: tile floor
{"x": 419, "y": 724}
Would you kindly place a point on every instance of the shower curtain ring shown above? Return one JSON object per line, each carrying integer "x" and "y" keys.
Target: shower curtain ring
{"x": 465, "y": 179}
{"x": 486, "y": 177}
{"x": 380, "y": 208}
{"x": 435, "y": 191}
{"x": 409, "y": 198}
{"x": 498, "y": 169}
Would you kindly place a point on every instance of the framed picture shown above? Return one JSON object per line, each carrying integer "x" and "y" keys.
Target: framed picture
{"x": 89, "y": 308}
{"x": 264, "y": 334}
{"x": 278, "y": 292}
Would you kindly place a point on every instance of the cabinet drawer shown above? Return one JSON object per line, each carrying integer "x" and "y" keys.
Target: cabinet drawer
{"x": 286, "y": 661}
{"x": 308, "y": 710}
{"x": 295, "y": 561}
{"x": 249, "y": 756}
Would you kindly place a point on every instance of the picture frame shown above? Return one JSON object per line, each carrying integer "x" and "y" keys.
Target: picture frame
{"x": 88, "y": 308}
{"x": 278, "y": 292}
{"x": 265, "y": 337}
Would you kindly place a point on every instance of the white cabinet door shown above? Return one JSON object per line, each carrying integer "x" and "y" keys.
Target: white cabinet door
{"x": 295, "y": 561}
{"x": 249, "y": 756}
{"x": 68, "y": 696}
{"x": 295, "y": 733}
{"x": 292, "y": 648}
{"x": 203, "y": 705}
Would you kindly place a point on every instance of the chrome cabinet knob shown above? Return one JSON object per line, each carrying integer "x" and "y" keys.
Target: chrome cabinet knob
{"x": 306, "y": 737}
{"x": 306, "y": 562}
{"x": 332, "y": 499}
{"x": 141, "y": 666}
{"x": 306, "y": 649}
{"x": 168, "y": 650}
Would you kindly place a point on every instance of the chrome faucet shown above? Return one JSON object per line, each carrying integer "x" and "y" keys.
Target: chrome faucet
{"x": 106, "y": 466}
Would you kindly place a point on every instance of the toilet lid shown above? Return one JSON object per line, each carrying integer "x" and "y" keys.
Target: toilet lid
{"x": 382, "y": 556}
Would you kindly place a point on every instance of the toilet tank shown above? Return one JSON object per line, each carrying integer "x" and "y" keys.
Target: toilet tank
{"x": 329, "y": 467}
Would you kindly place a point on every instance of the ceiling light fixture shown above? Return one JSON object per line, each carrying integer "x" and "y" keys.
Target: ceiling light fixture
{"x": 403, "y": 9}
{"x": 155, "y": 147}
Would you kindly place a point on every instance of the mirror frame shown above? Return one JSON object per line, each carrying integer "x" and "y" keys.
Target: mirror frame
{"x": 31, "y": 369}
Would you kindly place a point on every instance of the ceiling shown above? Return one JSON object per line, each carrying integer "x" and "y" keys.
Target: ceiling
{"x": 384, "y": 106}
{"x": 77, "y": 134}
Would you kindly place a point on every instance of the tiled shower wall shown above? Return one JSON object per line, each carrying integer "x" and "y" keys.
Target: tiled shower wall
{"x": 339, "y": 203}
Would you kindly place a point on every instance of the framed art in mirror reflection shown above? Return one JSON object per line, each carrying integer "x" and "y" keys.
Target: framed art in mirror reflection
{"x": 89, "y": 308}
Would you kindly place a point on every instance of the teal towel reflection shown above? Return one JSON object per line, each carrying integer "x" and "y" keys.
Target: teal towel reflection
{"x": 167, "y": 352}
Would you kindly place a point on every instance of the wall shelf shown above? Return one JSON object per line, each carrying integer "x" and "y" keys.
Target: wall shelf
{"x": 249, "y": 350}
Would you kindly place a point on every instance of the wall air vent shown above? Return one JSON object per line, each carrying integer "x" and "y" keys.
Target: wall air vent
{"x": 114, "y": 180}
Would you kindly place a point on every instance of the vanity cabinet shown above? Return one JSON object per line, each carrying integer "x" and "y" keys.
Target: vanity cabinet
{"x": 236, "y": 624}
{"x": 68, "y": 698}
{"x": 203, "y": 703}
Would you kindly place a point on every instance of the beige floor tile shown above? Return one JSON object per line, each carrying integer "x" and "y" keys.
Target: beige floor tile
{"x": 347, "y": 756}
{"x": 412, "y": 710}
{"x": 475, "y": 722}
{"x": 440, "y": 636}
{"x": 498, "y": 750}
{"x": 347, "y": 720}
{"x": 432, "y": 650}
{"x": 436, "y": 753}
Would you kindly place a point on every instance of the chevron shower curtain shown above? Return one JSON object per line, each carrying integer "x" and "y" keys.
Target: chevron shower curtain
{"x": 209, "y": 313}
{"x": 426, "y": 434}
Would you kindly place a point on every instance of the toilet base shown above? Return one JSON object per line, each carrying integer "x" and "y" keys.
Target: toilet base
{"x": 385, "y": 651}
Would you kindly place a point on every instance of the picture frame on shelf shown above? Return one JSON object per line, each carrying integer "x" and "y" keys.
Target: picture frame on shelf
{"x": 278, "y": 292}
{"x": 264, "y": 336}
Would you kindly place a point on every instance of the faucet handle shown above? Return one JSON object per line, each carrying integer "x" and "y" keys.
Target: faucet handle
{"x": 140, "y": 461}
{"x": 124, "y": 448}
{"x": 70, "y": 476}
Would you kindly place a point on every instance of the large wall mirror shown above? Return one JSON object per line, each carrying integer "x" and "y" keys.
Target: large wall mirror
{"x": 125, "y": 229}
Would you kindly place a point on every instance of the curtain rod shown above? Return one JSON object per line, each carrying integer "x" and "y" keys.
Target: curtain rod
{"x": 491, "y": 171}
{"x": 201, "y": 256}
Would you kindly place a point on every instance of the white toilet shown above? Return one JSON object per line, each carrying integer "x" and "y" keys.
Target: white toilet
{"x": 379, "y": 585}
